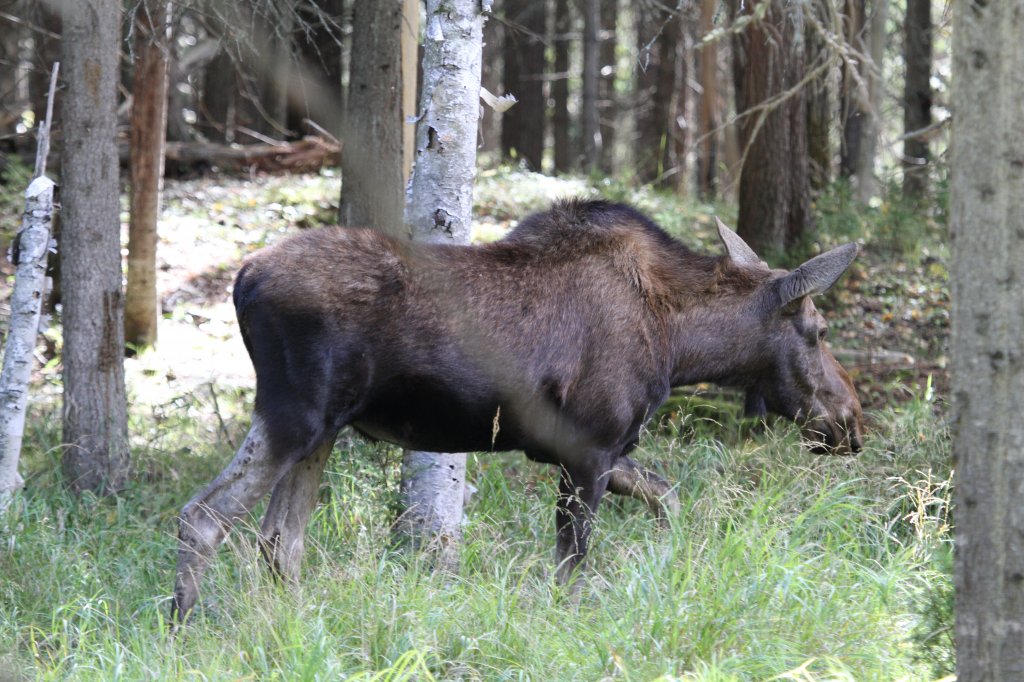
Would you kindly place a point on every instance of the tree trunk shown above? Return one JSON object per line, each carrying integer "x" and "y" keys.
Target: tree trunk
{"x": 439, "y": 209}
{"x": 522, "y": 126}
{"x": 819, "y": 96}
{"x": 29, "y": 255}
{"x": 658, "y": 35}
{"x": 318, "y": 78}
{"x": 410, "y": 41}
{"x": 591, "y": 75}
{"x": 94, "y": 415}
{"x": 774, "y": 193}
{"x": 648, "y": 141}
{"x": 47, "y": 50}
{"x": 491, "y": 78}
{"x": 917, "y": 96}
{"x": 707, "y": 119}
{"x": 560, "y": 121}
{"x": 371, "y": 159}
{"x": 681, "y": 110}
{"x": 607, "y": 100}
{"x": 512, "y": 80}
{"x": 987, "y": 230}
{"x": 26, "y": 299}
{"x": 148, "y": 128}
{"x": 853, "y": 89}
{"x": 867, "y": 184}
{"x": 10, "y": 102}
{"x": 266, "y": 67}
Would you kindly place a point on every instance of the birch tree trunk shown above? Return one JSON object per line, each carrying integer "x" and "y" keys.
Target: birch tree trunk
{"x": 439, "y": 209}
{"x": 30, "y": 258}
{"x": 987, "y": 222}
{"x": 148, "y": 134}
{"x": 26, "y": 303}
{"x": 95, "y": 409}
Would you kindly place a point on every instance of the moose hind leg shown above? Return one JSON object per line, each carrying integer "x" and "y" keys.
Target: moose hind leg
{"x": 579, "y": 493}
{"x": 283, "y": 531}
{"x": 206, "y": 519}
{"x": 629, "y": 478}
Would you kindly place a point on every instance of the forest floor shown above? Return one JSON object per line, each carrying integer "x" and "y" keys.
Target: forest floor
{"x": 781, "y": 565}
{"x": 889, "y": 316}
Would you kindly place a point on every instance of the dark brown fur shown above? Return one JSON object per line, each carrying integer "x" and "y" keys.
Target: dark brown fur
{"x": 569, "y": 334}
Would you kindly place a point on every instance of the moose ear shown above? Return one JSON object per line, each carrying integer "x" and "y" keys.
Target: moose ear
{"x": 816, "y": 275}
{"x": 736, "y": 248}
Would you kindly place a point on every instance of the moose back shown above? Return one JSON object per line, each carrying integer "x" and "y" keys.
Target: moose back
{"x": 559, "y": 340}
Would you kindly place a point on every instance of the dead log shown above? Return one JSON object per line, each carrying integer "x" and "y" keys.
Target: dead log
{"x": 873, "y": 359}
{"x": 307, "y": 155}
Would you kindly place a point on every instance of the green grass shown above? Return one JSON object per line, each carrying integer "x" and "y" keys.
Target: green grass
{"x": 781, "y": 563}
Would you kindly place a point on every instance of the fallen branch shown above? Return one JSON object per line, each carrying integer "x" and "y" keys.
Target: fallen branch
{"x": 873, "y": 359}
{"x": 309, "y": 154}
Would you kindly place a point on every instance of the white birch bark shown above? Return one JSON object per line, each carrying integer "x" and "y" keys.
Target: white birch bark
{"x": 26, "y": 303}
{"x": 30, "y": 287}
{"x": 439, "y": 205}
{"x": 987, "y": 230}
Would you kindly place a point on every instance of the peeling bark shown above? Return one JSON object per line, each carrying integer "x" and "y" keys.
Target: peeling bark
{"x": 438, "y": 209}
{"x": 29, "y": 290}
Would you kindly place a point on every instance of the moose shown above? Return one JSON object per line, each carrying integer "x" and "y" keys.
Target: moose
{"x": 559, "y": 340}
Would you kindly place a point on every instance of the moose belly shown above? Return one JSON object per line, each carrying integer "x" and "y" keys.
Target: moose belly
{"x": 431, "y": 416}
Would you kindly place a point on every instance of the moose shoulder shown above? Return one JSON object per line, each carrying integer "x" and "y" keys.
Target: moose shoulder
{"x": 560, "y": 340}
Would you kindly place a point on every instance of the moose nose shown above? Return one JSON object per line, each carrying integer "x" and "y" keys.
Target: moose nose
{"x": 853, "y": 434}
{"x": 839, "y": 436}
{"x": 847, "y": 436}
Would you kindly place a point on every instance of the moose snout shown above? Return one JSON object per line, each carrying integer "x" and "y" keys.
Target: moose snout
{"x": 841, "y": 435}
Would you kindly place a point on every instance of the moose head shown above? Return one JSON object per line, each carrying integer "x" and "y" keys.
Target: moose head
{"x": 798, "y": 377}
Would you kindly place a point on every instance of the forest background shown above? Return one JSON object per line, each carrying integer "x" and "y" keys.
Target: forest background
{"x": 805, "y": 124}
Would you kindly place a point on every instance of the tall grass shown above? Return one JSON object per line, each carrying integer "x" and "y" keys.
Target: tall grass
{"x": 781, "y": 563}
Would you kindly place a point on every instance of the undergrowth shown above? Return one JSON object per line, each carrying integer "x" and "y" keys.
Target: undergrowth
{"x": 781, "y": 564}
{"x": 780, "y": 561}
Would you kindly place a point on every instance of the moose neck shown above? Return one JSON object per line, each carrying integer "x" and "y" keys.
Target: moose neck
{"x": 717, "y": 342}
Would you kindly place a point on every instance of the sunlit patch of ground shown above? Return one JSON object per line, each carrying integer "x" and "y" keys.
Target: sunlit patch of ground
{"x": 208, "y": 225}
{"x": 889, "y": 303}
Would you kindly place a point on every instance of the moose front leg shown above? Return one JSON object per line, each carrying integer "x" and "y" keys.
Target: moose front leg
{"x": 579, "y": 493}
{"x": 283, "y": 532}
{"x": 629, "y": 478}
{"x": 206, "y": 519}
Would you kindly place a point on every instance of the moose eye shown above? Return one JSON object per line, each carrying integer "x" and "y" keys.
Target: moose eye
{"x": 822, "y": 334}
